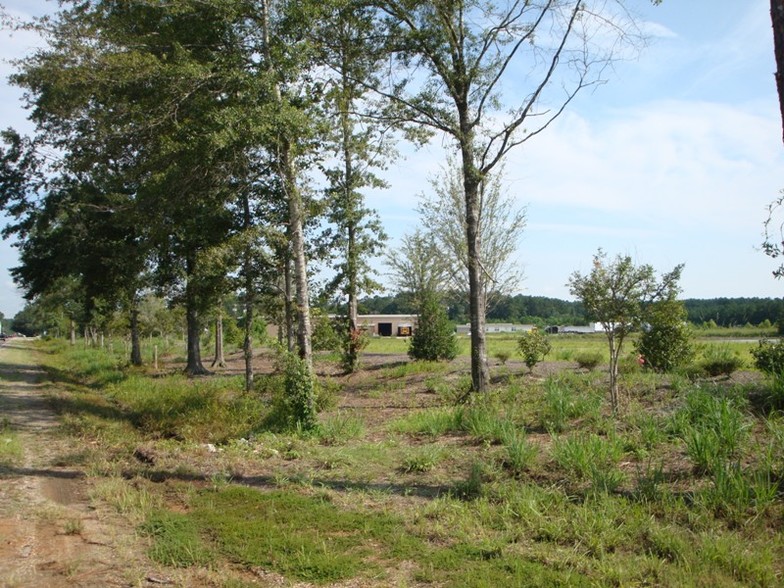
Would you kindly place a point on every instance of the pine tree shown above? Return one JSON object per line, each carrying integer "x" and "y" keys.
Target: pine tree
{"x": 434, "y": 338}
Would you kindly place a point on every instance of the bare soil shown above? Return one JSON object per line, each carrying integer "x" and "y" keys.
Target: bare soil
{"x": 51, "y": 534}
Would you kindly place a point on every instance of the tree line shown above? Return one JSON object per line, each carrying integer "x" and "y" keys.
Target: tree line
{"x": 200, "y": 150}
{"x": 543, "y": 310}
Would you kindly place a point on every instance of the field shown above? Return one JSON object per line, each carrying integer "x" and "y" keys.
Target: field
{"x": 533, "y": 484}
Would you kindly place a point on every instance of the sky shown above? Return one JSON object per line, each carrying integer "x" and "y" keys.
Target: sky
{"x": 674, "y": 160}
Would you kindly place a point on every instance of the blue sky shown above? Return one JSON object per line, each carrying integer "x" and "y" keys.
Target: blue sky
{"x": 674, "y": 160}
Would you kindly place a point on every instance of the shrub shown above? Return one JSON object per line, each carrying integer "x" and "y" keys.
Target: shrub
{"x": 353, "y": 341}
{"x": 325, "y": 337}
{"x": 300, "y": 394}
{"x": 588, "y": 360}
{"x": 720, "y": 360}
{"x": 434, "y": 338}
{"x": 769, "y": 357}
{"x": 533, "y": 346}
{"x": 667, "y": 343}
{"x": 503, "y": 356}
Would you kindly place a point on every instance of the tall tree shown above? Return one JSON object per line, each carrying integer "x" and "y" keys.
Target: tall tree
{"x": 159, "y": 92}
{"x": 286, "y": 52}
{"x": 476, "y": 55}
{"x": 348, "y": 47}
{"x": 416, "y": 267}
{"x": 777, "y": 20}
{"x": 500, "y": 227}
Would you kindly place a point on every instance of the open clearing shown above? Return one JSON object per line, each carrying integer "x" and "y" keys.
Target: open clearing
{"x": 119, "y": 477}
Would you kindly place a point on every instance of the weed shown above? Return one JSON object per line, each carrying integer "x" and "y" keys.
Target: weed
{"x": 432, "y": 422}
{"x": 519, "y": 453}
{"x": 649, "y": 477}
{"x": 563, "y": 403}
{"x": 735, "y": 493}
{"x": 750, "y": 565}
{"x": 720, "y": 360}
{"x": 587, "y": 360}
{"x": 176, "y": 540}
{"x": 713, "y": 428}
{"x": 591, "y": 457}
{"x": 10, "y": 447}
{"x": 503, "y": 356}
{"x": 651, "y": 430}
{"x": 422, "y": 459}
{"x": 130, "y": 498}
{"x": 473, "y": 486}
{"x": 340, "y": 428}
{"x": 484, "y": 423}
{"x": 73, "y": 527}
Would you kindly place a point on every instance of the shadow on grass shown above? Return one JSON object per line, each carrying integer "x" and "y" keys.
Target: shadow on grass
{"x": 270, "y": 482}
{"x": 16, "y": 372}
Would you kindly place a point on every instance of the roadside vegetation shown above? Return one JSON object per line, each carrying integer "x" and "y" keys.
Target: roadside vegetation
{"x": 534, "y": 483}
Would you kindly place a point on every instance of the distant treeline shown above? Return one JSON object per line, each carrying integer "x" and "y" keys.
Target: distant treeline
{"x": 724, "y": 312}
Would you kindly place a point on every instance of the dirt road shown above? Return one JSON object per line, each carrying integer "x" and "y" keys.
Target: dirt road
{"x": 50, "y": 534}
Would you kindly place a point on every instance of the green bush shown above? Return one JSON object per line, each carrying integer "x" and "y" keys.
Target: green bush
{"x": 534, "y": 347}
{"x": 434, "y": 338}
{"x": 300, "y": 394}
{"x": 769, "y": 357}
{"x": 720, "y": 360}
{"x": 588, "y": 360}
{"x": 325, "y": 337}
{"x": 667, "y": 343}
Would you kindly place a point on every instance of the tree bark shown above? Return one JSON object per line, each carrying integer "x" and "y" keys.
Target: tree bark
{"x": 194, "y": 366}
{"x": 288, "y": 310}
{"x": 480, "y": 372}
{"x": 136, "y": 349}
{"x": 777, "y": 20}
{"x": 219, "y": 360}
{"x": 351, "y": 245}
{"x": 247, "y": 344}
{"x": 73, "y": 332}
{"x": 285, "y": 160}
{"x": 296, "y": 234}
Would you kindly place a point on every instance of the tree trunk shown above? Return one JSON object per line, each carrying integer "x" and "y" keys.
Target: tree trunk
{"x": 194, "y": 366}
{"x": 247, "y": 344}
{"x": 136, "y": 348}
{"x": 480, "y": 372}
{"x": 73, "y": 332}
{"x": 295, "y": 208}
{"x": 219, "y": 360}
{"x": 614, "y": 352}
{"x": 288, "y": 310}
{"x": 296, "y": 234}
{"x": 777, "y": 19}
{"x": 351, "y": 360}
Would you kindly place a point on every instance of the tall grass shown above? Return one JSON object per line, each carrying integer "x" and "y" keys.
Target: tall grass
{"x": 591, "y": 458}
{"x": 563, "y": 401}
{"x": 199, "y": 410}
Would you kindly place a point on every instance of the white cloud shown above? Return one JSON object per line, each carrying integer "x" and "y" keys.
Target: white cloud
{"x": 676, "y": 161}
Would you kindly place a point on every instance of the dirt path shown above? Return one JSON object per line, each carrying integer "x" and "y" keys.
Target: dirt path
{"x": 50, "y": 534}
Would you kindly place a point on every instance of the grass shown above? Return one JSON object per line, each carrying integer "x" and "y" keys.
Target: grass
{"x": 534, "y": 484}
{"x": 11, "y": 450}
